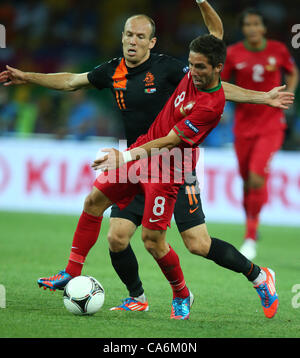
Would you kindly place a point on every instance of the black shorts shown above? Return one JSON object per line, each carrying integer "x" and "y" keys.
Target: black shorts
{"x": 187, "y": 212}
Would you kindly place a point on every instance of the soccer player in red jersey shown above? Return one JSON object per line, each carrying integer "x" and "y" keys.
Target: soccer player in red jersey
{"x": 191, "y": 113}
{"x": 257, "y": 63}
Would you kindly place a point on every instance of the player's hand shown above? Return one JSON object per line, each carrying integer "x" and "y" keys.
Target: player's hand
{"x": 12, "y": 76}
{"x": 280, "y": 99}
{"x": 112, "y": 160}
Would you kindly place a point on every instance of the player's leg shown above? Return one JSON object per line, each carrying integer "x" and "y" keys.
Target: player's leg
{"x": 243, "y": 149}
{"x": 193, "y": 230}
{"x": 159, "y": 206}
{"x": 196, "y": 238}
{"x": 123, "y": 224}
{"x": 168, "y": 261}
{"x": 85, "y": 236}
{"x": 109, "y": 187}
{"x": 256, "y": 194}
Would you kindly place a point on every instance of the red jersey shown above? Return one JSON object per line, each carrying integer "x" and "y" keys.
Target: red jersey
{"x": 259, "y": 70}
{"x": 190, "y": 112}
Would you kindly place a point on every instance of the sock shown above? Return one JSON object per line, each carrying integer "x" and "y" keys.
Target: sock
{"x": 170, "y": 266}
{"x": 142, "y": 298}
{"x": 85, "y": 236}
{"x": 126, "y": 267}
{"x": 260, "y": 278}
{"x": 254, "y": 200}
{"x": 226, "y": 255}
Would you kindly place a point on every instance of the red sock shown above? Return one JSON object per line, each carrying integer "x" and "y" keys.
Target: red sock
{"x": 85, "y": 236}
{"x": 251, "y": 227}
{"x": 170, "y": 267}
{"x": 254, "y": 200}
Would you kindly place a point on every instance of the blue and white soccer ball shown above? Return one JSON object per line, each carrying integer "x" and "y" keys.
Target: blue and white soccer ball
{"x": 83, "y": 295}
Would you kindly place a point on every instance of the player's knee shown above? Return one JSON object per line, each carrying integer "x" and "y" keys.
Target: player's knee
{"x": 118, "y": 241}
{"x": 197, "y": 244}
{"x": 156, "y": 247}
{"x": 256, "y": 181}
{"x": 96, "y": 203}
{"x": 149, "y": 242}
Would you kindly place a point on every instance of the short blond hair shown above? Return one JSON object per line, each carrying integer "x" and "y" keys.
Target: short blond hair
{"x": 151, "y": 22}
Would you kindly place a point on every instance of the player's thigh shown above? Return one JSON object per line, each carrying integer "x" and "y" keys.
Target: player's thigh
{"x": 119, "y": 233}
{"x": 243, "y": 149}
{"x": 96, "y": 202}
{"x": 197, "y": 240}
{"x": 116, "y": 186}
{"x": 265, "y": 148}
{"x": 133, "y": 212}
{"x": 160, "y": 200}
{"x": 188, "y": 210}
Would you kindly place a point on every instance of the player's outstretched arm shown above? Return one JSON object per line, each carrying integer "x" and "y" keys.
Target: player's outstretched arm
{"x": 114, "y": 158}
{"x": 277, "y": 97}
{"x": 212, "y": 20}
{"x": 292, "y": 79}
{"x": 57, "y": 81}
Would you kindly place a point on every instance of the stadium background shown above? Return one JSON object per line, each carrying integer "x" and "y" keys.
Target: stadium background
{"x": 48, "y": 138}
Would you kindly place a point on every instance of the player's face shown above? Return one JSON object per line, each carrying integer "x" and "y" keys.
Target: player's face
{"x": 253, "y": 29}
{"x": 203, "y": 74}
{"x": 136, "y": 41}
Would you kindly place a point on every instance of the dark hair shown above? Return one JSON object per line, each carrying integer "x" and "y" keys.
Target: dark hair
{"x": 211, "y": 47}
{"x": 151, "y": 21}
{"x": 250, "y": 11}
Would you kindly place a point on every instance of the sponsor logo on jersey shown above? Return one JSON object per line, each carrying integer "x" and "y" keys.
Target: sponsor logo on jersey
{"x": 191, "y": 126}
{"x": 149, "y": 79}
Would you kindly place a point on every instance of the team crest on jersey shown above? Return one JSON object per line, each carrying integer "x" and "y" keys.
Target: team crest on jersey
{"x": 149, "y": 79}
{"x": 271, "y": 66}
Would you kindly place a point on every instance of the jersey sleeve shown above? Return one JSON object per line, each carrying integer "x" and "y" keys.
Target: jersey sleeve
{"x": 228, "y": 69}
{"x": 195, "y": 127}
{"x": 288, "y": 62}
{"x": 98, "y": 77}
{"x": 176, "y": 70}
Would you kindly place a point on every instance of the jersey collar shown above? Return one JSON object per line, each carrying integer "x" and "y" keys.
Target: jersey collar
{"x": 214, "y": 89}
{"x": 261, "y": 48}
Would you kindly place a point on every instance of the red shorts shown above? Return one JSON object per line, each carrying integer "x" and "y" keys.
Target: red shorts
{"x": 123, "y": 184}
{"x": 255, "y": 154}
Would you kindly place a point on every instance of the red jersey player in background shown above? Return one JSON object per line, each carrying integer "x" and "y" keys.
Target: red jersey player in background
{"x": 257, "y": 63}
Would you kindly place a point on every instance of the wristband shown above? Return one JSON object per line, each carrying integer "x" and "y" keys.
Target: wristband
{"x": 200, "y": 1}
{"x": 127, "y": 156}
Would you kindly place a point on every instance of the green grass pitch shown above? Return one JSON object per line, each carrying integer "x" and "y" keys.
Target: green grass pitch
{"x": 226, "y": 305}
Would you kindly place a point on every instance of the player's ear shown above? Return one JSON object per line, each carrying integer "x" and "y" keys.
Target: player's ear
{"x": 219, "y": 67}
{"x": 152, "y": 42}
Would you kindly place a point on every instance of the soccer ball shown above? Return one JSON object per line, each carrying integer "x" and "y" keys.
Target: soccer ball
{"x": 83, "y": 295}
